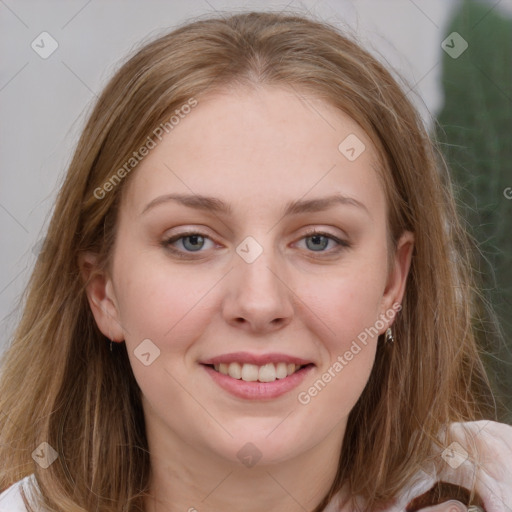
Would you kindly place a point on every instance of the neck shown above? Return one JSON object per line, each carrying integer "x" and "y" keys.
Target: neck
{"x": 184, "y": 478}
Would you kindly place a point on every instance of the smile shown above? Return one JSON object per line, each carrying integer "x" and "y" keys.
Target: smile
{"x": 254, "y": 382}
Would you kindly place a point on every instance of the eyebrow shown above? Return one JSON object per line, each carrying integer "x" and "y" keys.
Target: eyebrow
{"x": 296, "y": 207}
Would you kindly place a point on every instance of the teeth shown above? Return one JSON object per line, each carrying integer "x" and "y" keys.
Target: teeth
{"x": 234, "y": 370}
{"x": 251, "y": 372}
{"x": 281, "y": 370}
{"x": 267, "y": 373}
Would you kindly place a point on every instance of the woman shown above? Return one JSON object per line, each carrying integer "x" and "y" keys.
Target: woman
{"x": 254, "y": 294}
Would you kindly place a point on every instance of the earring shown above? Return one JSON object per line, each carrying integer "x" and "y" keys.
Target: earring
{"x": 110, "y": 345}
{"x": 389, "y": 336}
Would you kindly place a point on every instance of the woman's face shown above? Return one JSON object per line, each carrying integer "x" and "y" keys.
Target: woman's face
{"x": 215, "y": 261}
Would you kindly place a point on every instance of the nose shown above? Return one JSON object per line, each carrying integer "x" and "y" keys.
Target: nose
{"x": 258, "y": 299}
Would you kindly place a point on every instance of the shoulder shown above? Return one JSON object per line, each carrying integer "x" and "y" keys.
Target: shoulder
{"x": 11, "y": 499}
{"x": 477, "y": 459}
{"x": 473, "y": 469}
{"x": 481, "y": 451}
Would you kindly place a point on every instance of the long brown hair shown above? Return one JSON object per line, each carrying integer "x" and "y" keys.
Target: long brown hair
{"x": 60, "y": 384}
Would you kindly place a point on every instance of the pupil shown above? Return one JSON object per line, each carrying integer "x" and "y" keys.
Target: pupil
{"x": 196, "y": 242}
{"x": 318, "y": 239}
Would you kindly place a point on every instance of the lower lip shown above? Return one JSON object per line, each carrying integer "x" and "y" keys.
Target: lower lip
{"x": 258, "y": 390}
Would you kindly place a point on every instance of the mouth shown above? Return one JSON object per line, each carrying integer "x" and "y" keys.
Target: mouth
{"x": 257, "y": 377}
{"x": 247, "y": 372}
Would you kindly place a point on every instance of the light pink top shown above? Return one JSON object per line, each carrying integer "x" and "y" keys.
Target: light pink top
{"x": 490, "y": 472}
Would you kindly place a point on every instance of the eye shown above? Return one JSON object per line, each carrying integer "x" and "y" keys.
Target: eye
{"x": 190, "y": 242}
{"x": 184, "y": 244}
{"x": 318, "y": 241}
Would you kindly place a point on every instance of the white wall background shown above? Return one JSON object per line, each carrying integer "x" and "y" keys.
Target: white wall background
{"x": 44, "y": 102}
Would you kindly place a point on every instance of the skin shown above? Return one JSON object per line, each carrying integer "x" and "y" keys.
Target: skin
{"x": 256, "y": 150}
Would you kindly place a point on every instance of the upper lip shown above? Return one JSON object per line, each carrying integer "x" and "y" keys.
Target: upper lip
{"x": 256, "y": 359}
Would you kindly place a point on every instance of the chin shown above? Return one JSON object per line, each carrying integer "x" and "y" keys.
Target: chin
{"x": 257, "y": 447}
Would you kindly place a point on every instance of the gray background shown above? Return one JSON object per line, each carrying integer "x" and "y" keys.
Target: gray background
{"x": 44, "y": 102}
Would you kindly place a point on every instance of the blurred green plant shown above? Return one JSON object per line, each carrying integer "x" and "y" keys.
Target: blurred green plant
{"x": 475, "y": 134}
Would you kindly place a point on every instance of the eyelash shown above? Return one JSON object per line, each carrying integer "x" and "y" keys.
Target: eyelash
{"x": 341, "y": 244}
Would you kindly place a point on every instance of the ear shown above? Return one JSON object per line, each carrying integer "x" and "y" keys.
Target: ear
{"x": 395, "y": 286}
{"x": 101, "y": 297}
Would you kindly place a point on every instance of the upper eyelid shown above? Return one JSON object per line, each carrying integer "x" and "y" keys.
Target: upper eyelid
{"x": 309, "y": 232}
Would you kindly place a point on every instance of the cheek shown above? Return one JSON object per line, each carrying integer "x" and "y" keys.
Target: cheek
{"x": 350, "y": 315}
{"x": 345, "y": 320}
{"x": 347, "y": 302}
{"x": 158, "y": 300}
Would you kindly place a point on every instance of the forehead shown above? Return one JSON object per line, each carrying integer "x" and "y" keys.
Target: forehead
{"x": 261, "y": 144}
